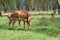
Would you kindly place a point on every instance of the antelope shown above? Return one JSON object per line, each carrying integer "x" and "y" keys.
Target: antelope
{"x": 19, "y": 15}
{"x": 53, "y": 14}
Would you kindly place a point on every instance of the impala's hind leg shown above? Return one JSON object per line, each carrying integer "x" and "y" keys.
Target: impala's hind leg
{"x": 13, "y": 23}
{"x": 10, "y": 22}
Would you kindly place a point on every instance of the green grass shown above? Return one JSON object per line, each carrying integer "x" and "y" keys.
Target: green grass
{"x": 42, "y": 28}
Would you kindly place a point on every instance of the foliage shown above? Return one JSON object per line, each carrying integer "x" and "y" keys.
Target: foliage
{"x": 42, "y": 4}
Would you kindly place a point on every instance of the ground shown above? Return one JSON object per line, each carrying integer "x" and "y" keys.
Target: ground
{"x": 43, "y": 27}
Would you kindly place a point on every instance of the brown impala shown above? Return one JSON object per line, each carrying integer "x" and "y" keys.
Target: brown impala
{"x": 19, "y": 15}
{"x": 53, "y": 14}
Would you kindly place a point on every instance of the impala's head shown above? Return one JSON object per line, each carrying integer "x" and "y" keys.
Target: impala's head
{"x": 1, "y": 14}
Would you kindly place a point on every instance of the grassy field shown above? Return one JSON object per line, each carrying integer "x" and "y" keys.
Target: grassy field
{"x": 43, "y": 27}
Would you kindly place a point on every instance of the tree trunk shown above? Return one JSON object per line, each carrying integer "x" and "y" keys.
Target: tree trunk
{"x": 17, "y": 5}
{"x": 27, "y": 7}
{"x": 5, "y": 5}
{"x": 58, "y": 2}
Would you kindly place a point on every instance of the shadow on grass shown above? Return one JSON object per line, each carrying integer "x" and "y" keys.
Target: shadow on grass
{"x": 16, "y": 29}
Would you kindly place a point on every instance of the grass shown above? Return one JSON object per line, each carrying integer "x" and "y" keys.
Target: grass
{"x": 42, "y": 28}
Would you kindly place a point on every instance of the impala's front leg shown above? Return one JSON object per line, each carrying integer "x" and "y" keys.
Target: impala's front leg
{"x": 28, "y": 20}
{"x": 19, "y": 20}
{"x": 24, "y": 24}
{"x": 28, "y": 23}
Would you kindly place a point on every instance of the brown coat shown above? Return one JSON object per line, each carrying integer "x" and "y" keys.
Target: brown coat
{"x": 19, "y": 14}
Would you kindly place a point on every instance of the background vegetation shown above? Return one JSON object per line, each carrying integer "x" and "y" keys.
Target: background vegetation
{"x": 44, "y": 5}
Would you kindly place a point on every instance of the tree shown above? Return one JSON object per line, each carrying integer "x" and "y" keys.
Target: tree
{"x": 58, "y": 2}
{"x": 7, "y": 3}
{"x": 18, "y": 4}
{"x": 27, "y": 4}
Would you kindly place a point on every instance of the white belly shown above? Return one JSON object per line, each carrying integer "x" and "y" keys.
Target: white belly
{"x": 23, "y": 19}
{"x": 16, "y": 19}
